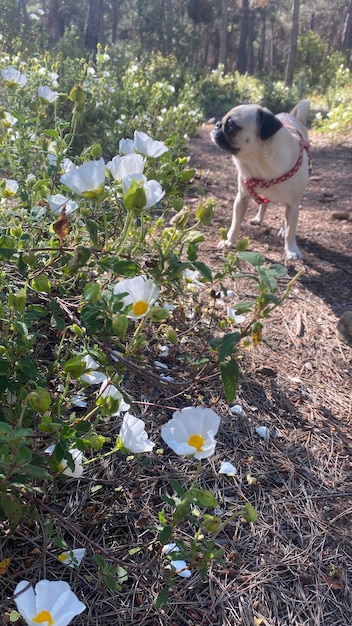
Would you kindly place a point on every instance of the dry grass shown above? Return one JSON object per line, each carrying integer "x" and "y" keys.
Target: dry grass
{"x": 293, "y": 567}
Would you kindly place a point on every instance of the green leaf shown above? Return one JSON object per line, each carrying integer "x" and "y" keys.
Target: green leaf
{"x": 48, "y": 132}
{"x": 35, "y": 471}
{"x": 93, "y": 230}
{"x": 11, "y": 507}
{"x": 194, "y": 236}
{"x": 228, "y": 344}
{"x": 7, "y": 247}
{"x": 4, "y": 383}
{"x": 75, "y": 366}
{"x": 41, "y": 284}
{"x": 204, "y": 270}
{"x": 165, "y": 534}
{"x": 91, "y": 292}
{"x": 229, "y": 371}
{"x": 5, "y": 429}
{"x": 162, "y": 598}
{"x": 177, "y": 487}
{"x": 110, "y": 582}
{"x": 128, "y": 269}
{"x": 205, "y": 499}
{"x": 99, "y": 560}
{"x": 253, "y": 258}
{"x": 249, "y": 513}
{"x": 24, "y": 455}
{"x": 243, "y": 307}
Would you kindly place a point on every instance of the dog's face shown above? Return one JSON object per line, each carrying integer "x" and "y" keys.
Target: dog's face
{"x": 243, "y": 127}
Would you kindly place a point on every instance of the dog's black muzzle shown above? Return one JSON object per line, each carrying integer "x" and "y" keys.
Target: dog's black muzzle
{"x": 222, "y": 134}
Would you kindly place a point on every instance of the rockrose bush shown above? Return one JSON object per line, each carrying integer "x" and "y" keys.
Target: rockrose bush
{"x": 94, "y": 276}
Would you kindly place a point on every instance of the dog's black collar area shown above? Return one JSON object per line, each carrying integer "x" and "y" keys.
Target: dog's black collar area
{"x": 267, "y": 123}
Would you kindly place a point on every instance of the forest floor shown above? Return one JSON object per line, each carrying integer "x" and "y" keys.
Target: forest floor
{"x": 293, "y": 567}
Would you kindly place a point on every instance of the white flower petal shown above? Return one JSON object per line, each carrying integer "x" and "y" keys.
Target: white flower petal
{"x": 89, "y": 177}
{"x": 263, "y": 432}
{"x": 72, "y": 558}
{"x": 133, "y": 435}
{"x": 227, "y": 468}
{"x": 181, "y": 567}
{"x": 53, "y": 597}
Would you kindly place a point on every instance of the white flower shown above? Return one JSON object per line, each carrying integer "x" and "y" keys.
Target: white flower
{"x": 191, "y": 277}
{"x": 152, "y": 188}
{"x": 79, "y": 400}
{"x": 47, "y": 95}
{"x": 51, "y": 602}
{"x": 87, "y": 180}
{"x": 57, "y": 202}
{"x": 13, "y": 78}
{"x": 126, "y": 165}
{"x": 92, "y": 376}
{"x": 34, "y": 16}
{"x": 141, "y": 294}
{"x": 143, "y": 144}
{"x": 11, "y": 188}
{"x": 146, "y": 145}
{"x": 180, "y": 566}
{"x": 192, "y": 431}
{"x": 133, "y": 435}
{"x": 263, "y": 432}
{"x": 72, "y": 558}
{"x": 126, "y": 146}
{"x": 9, "y": 120}
{"x": 227, "y": 468}
{"x": 237, "y": 409}
{"x": 238, "y": 319}
{"x": 67, "y": 165}
{"x": 77, "y": 457}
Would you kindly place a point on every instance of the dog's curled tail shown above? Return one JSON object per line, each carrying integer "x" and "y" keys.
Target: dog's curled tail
{"x": 301, "y": 111}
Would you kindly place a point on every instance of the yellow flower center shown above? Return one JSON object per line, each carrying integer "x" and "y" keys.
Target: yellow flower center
{"x": 140, "y": 307}
{"x": 196, "y": 441}
{"x": 63, "y": 556}
{"x": 42, "y": 617}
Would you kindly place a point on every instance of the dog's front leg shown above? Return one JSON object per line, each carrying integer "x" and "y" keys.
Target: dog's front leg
{"x": 291, "y": 218}
{"x": 240, "y": 207}
{"x": 258, "y": 219}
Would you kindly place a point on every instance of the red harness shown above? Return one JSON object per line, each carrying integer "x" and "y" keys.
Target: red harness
{"x": 250, "y": 183}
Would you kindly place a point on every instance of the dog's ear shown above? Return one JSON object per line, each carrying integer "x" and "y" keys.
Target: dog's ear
{"x": 268, "y": 123}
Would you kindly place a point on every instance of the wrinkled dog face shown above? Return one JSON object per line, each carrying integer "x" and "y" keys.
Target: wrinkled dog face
{"x": 242, "y": 127}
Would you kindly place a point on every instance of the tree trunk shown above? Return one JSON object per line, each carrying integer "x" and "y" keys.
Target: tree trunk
{"x": 242, "y": 51}
{"x": 24, "y": 12}
{"x": 95, "y": 25}
{"x": 223, "y": 34}
{"x": 346, "y": 43}
{"x": 262, "y": 45}
{"x": 114, "y": 20}
{"x": 54, "y": 21}
{"x": 293, "y": 44}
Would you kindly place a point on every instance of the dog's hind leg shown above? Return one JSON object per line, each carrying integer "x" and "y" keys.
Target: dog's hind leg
{"x": 258, "y": 219}
{"x": 240, "y": 207}
{"x": 291, "y": 218}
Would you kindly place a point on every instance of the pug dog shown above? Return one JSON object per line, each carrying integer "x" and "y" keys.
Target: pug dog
{"x": 272, "y": 157}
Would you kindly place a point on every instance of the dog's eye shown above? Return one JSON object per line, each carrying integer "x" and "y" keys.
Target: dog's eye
{"x": 231, "y": 126}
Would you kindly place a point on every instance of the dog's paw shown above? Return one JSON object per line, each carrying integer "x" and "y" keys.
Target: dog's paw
{"x": 256, "y": 221}
{"x": 224, "y": 243}
{"x": 293, "y": 254}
